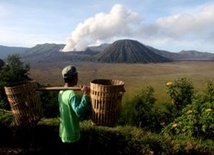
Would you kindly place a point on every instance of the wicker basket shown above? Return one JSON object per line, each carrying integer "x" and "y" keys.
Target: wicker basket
{"x": 106, "y": 96}
{"x": 24, "y": 102}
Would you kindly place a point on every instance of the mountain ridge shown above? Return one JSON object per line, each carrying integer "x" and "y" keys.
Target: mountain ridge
{"x": 51, "y": 52}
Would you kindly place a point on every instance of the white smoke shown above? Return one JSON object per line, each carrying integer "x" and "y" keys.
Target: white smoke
{"x": 119, "y": 22}
{"x": 180, "y": 30}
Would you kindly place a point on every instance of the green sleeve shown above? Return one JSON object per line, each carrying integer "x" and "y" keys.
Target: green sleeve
{"x": 80, "y": 106}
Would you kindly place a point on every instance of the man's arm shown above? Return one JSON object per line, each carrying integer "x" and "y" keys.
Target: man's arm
{"x": 80, "y": 107}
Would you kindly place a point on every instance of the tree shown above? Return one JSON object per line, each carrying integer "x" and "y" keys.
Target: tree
{"x": 13, "y": 70}
{"x": 1, "y": 63}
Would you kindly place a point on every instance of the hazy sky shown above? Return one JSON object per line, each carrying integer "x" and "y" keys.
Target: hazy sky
{"x": 172, "y": 25}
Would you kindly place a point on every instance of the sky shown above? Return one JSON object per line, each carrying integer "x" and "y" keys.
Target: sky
{"x": 171, "y": 25}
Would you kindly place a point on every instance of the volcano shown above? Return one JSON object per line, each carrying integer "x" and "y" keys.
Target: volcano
{"x": 130, "y": 51}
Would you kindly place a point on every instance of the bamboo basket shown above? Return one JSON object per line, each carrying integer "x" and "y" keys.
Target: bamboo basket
{"x": 24, "y": 102}
{"x": 106, "y": 96}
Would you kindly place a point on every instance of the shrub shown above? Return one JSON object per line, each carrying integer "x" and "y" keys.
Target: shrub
{"x": 164, "y": 115}
{"x": 181, "y": 92}
{"x": 208, "y": 93}
{"x": 139, "y": 110}
{"x": 197, "y": 118}
{"x": 49, "y": 102}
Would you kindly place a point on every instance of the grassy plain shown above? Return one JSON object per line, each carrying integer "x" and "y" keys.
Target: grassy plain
{"x": 135, "y": 76}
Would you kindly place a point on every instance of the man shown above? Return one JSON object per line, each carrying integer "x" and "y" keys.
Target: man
{"x": 71, "y": 109}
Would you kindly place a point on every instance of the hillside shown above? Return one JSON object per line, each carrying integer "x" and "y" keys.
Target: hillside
{"x": 167, "y": 54}
{"x": 52, "y": 53}
{"x": 195, "y": 55}
{"x": 129, "y": 51}
{"x": 42, "y": 52}
{"x": 5, "y": 51}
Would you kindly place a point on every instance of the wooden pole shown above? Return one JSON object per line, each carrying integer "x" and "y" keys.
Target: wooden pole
{"x": 58, "y": 88}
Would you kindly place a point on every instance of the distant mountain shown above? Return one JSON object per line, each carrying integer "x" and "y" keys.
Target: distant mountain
{"x": 195, "y": 55}
{"x": 120, "y": 51}
{"x": 184, "y": 54}
{"x": 130, "y": 51}
{"x": 99, "y": 48}
{"x": 6, "y": 50}
{"x": 46, "y": 49}
{"x": 42, "y": 51}
{"x": 167, "y": 54}
{"x": 52, "y": 52}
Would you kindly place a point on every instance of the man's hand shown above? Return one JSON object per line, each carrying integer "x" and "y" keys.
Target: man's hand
{"x": 85, "y": 89}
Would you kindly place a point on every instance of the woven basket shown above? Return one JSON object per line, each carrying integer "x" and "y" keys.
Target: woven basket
{"x": 106, "y": 96}
{"x": 24, "y": 102}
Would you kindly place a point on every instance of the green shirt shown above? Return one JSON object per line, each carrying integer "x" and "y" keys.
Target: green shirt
{"x": 71, "y": 109}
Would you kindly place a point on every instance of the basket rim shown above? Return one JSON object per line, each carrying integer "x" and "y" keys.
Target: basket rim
{"x": 93, "y": 82}
{"x": 17, "y": 84}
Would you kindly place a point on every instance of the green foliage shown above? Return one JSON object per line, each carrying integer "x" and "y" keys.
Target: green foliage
{"x": 13, "y": 71}
{"x": 1, "y": 63}
{"x": 197, "y": 118}
{"x": 49, "y": 101}
{"x": 181, "y": 92}
{"x": 50, "y": 104}
{"x": 208, "y": 93}
{"x": 164, "y": 116}
{"x": 139, "y": 110}
{"x": 120, "y": 140}
{"x": 5, "y": 118}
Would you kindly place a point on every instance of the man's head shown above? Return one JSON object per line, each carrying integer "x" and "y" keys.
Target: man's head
{"x": 69, "y": 74}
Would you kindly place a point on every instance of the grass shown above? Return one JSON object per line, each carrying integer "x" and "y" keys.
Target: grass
{"x": 135, "y": 76}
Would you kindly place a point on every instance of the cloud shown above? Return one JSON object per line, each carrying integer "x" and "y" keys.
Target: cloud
{"x": 186, "y": 24}
{"x": 185, "y": 29}
{"x": 119, "y": 22}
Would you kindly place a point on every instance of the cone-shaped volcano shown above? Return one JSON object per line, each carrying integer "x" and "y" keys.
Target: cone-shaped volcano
{"x": 129, "y": 51}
